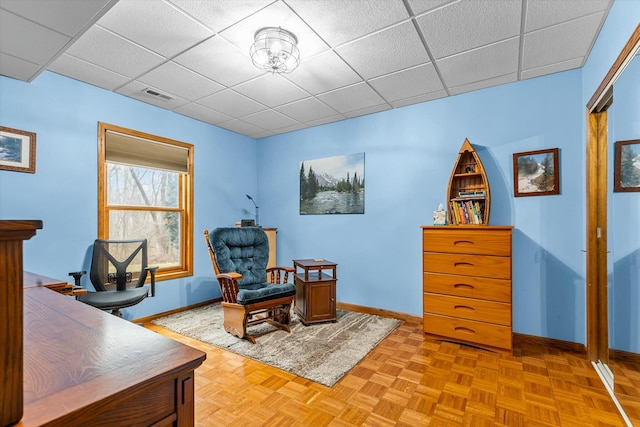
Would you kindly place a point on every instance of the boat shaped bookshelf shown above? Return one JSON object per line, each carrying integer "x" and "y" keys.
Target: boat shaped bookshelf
{"x": 468, "y": 192}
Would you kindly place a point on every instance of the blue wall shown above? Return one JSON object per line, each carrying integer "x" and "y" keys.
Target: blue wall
{"x": 64, "y": 114}
{"x": 409, "y": 153}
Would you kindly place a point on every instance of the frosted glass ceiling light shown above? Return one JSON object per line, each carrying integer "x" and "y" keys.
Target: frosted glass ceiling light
{"x": 275, "y": 50}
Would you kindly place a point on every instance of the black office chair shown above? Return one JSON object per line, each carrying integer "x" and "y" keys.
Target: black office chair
{"x": 118, "y": 273}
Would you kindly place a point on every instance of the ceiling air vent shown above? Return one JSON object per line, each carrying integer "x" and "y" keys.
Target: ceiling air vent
{"x": 152, "y": 93}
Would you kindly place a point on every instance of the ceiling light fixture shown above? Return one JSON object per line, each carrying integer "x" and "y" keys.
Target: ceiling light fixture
{"x": 275, "y": 50}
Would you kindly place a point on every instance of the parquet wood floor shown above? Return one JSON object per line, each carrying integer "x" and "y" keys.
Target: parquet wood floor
{"x": 627, "y": 387}
{"x": 407, "y": 380}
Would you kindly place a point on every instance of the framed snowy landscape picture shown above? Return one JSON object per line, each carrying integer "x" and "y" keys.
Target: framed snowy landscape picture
{"x": 332, "y": 185}
{"x": 626, "y": 173}
{"x": 536, "y": 173}
{"x": 17, "y": 150}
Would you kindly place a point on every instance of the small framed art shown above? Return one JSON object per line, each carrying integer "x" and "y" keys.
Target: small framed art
{"x": 536, "y": 173}
{"x": 17, "y": 150}
{"x": 626, "y": 172}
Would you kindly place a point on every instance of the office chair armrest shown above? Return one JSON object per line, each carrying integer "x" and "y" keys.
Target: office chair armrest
{"x": 277, "y": 274}
{"x": 152, "y": 271}
{"x": 76, "y": 277}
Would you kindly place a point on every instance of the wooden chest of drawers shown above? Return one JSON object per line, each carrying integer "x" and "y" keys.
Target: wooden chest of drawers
{"x": 467, "y": 285}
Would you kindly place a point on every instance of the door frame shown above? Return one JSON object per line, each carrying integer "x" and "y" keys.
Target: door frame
{"x": 596, "y": 204}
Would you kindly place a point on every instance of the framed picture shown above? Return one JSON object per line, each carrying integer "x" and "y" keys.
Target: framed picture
{"x": 536, "y": 173}
{"x": 626, "y": 172}
{"x": 17, "y": 150}
{"x": 332, "y": 185}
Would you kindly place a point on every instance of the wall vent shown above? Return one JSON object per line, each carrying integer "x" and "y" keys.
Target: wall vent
{"x": 152, "y": 93}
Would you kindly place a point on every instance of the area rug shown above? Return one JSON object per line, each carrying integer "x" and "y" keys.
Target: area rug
{"x": 321, "y": 352}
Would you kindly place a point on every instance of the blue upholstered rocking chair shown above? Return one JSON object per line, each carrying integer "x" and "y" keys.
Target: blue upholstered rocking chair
{"x": 251, "y": 292}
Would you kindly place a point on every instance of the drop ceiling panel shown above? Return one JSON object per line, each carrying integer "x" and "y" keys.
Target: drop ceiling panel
{"x": 307, "y": 109}
{"x": 219, "y": 61}
{"x": 544, "y": 13}
{"x": 244, "y": 128}
{"x": 421, "y": 6}
{"x": 180, "y": 81}
{"x": 325, "y": 120}
{"x": 220, "y": 14}
{"x": 202, "y": 113}
{"x": 408, "y": 83}
{"x": 269, "y": 120}
{"x": 27, "y": 40}
{"x": 553, "y": 68}
{"x": 157, "y": 25}
{"x": 355, "y": 97}
{"x": 483, "y": 84}
{"x": 323, "y": 73}
{"x": 570, "y": 40}
{"x": 263, "y": 134}
{"x": 367, "y": 110}
{"x": 285, "y": 129}
{"x": 393, "y": 56}
{"x": 420, "y": 98}
{"x": 110, "y": 51}
{"x": 87, "y": 72}
{"x": 77, "y": 14}
{"x": 232, "y": 103}
{"x": 339, "y": 21}
{"x": 480, "y": 64}
{"x": 466, "y": 25}
{"x": 17, "y": 68}
{"x": 271, "y": 90}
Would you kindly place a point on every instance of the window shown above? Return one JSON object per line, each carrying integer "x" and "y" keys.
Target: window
{"x": 145, "y": 190}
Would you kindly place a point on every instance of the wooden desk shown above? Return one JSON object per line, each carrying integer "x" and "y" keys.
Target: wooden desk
{"x": 83, "y": 366}
{"x": 31, "y": 280}
{"x": 12, "y": 234}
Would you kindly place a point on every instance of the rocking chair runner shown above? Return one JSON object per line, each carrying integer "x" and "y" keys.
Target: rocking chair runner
{"x": 251, "y": 292}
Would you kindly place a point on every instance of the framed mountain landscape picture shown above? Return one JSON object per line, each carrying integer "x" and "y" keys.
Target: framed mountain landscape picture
{"x": 536, "y": 173}
{"x": 332, "y": 185}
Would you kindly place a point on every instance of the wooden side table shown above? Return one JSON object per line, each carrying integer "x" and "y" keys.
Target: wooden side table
{"x": 315, "y": 282}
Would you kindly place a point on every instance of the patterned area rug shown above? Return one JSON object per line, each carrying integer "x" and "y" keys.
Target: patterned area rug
{"x": 321, "y": 352}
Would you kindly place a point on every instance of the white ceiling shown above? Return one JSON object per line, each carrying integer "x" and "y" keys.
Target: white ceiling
{"x": 357, "y": 56}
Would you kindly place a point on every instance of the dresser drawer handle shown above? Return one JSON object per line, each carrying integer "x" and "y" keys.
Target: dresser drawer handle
{"x": 463, "y": 285}
{"x": 457, "y": 264}
{"x": 460, "y": 242}
{"x": 463, "y": 329}
{"x": 463, "y": 307}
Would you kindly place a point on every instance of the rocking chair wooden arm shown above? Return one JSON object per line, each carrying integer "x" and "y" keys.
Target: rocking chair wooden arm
{"x": 233, "y": 275}
{"x": 279, "y": 275}
{"x": 229, "y": 286}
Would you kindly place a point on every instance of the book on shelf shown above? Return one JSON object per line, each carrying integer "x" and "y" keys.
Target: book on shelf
{"x": 470, "y": 194}
{"x": 467, "y": 212}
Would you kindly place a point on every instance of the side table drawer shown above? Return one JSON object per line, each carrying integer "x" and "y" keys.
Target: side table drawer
{"x": 468, "y": 308}
{"x": 468, "y": 286}
{"x": 468, "y": 331}
{"x": 468, "y": 265}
